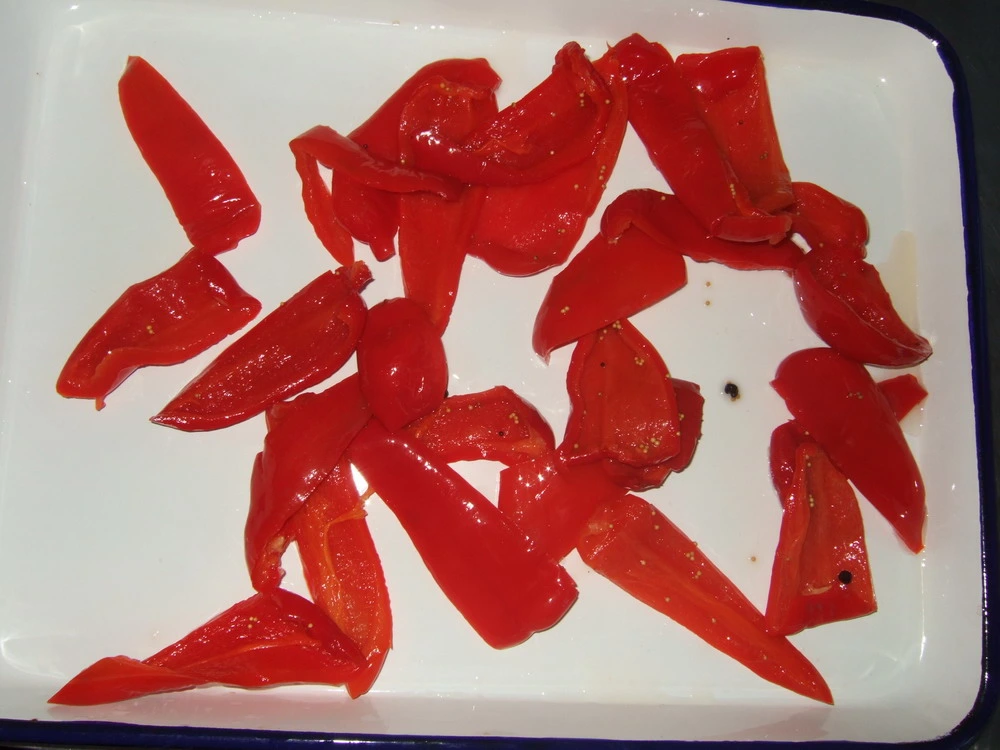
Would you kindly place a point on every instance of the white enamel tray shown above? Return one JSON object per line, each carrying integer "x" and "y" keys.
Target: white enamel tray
{"x": 118, "y": 536}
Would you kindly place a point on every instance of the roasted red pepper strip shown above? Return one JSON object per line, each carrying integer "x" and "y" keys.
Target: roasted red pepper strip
{"x": 554, "y": 126}
{"x": 824, "y": 220}
{"x": 206, "y": 189}
{"x": 299, "y": 344}
{"x": 164, "y": 320}
{"x": 306, "y": 438}
{"x": 402, "y": 366}
{"x": 552, "y": 501}
{"x": 843, "y": 300}
{"x": 730, "y": 91}
{"x": 690, "y": 408}
{"x": 622, "y": 401}
{"x": 370, "y": 215}
{"x": 664, "y": 218}
{"x": 269, "y": 639}
{"x": 638, "y": 549}
{"x": 434, "y": 234}
{"x": 526, "y": 229}
{"x": 343, "y": 570}
{"x": 604, "y": 282}
{"x": 840, "y": 406}
{"x": 903, "y": 392}
{"x": 662, "y": 111}
{"x": 820, "y": 572}
{"x": 505, "y": 589}
{"x": 493, "y": 425}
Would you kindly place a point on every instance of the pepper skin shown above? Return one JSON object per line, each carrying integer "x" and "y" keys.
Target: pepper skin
{"x": 836, "y": 401}
{"x": 904, "y": 393}
{"x": 637, "y": 548}
{"x": 207, "y": 191}
{"x": 299, "y": 344}
{"x": 504, "y": 588}
{"x": 164, "y": 320}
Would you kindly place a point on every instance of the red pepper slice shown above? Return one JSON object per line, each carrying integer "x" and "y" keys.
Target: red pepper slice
{"x": 504, "y": 588}
{"x": 824, "y": 220}
{"x": 401, "y": 362}
{"x": 493, "y": 425}
{"x": 622, "y": 401}
{"x": 843, "y": 300}
{"x": 637, "y": 548}
{"x": 207, "y": 191}
{"x": 662, "y": 111}
{"x": 299, "y": 344}
{"x": 552, "y": 501}
{"x": 664, "y": 218}
{"x": 607, "y": 280}
{"x": 690, "y": 409}
{"x": 167, "y": 319}
{"x": 820, "y": 572}
{"x": 554, "y": 126}
{"x": 730, "y": 92}
{"x": 526, "y": 229}
{"x": 840, "y": 406}
{"x": 343, "y": 570}
{"x": 370, "y": 215}
{"x": 269, "y": 639}
{"x": 306, "y": 438}
{"x": 903, "y": 392}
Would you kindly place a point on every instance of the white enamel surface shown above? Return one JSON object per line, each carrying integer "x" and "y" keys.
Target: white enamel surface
{"x": 117, "y": 536}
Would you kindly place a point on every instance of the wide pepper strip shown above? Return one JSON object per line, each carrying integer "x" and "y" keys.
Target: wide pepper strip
{"x": 299, "y": 344}
{"x": 504, "y": 588}
{"x": 526, "y": 229}
{"x": 306, "y": 438}
{"x": 662, "y": 111}
{"x": 607, "y": 280}
{"x": 206, "y": 189}
{"x": 664, "y": 218}
{"x": 554, "y": 126}
{"x": 729, "y": 87}
{"x": 164, "y": 320}
{"x": 492, "y": 425}
{"x": 637, "y": 548}
{"x": 622, "y": 402}
{"x": 343, "y": 571}
{"x": 836, "y": 401}
{"x": 402, "y": 367}
{"x": 277, "y": 638}
{"x": 820, "y": 572}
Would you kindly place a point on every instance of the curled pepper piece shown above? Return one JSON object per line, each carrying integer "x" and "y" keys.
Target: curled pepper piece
{"x": 607, "y": 280}
{"x": 622, "y": 401}
{"x": 164, "y": 320}
{"x": 492, "y": 425}
{"x": 637, "y": 548}
{"x": 504, "y": 588}
{"x": 402, "y": 366}
{"x": 277, "y": 638}
{"x": 554, "y": 126}
{"x": 662, "y": 111}
{"x": 843, "y": 300}
{"x": 820, "y": 572}
{"x": 299, "y": 344}
{"x": 664, "y": 218}
{"x": 305, "y": 440}
{"x": 206, "y": 189}
{"x": 730, "y": 91}
{"x": 343, "y": 571}
{"x": 836, "y": 401}
{"x": 825, "y": 220}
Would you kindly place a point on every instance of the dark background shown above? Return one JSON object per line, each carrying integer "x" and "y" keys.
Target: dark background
{"x": 971, "y": 27}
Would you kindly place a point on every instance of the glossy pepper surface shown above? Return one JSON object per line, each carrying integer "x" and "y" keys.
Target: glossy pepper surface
{"x": 299, "y": 344}
{"x": 504, "y": 588}
{"x": 206, "y": 189}
{"x": 163, "y": 320}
